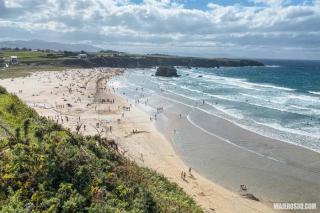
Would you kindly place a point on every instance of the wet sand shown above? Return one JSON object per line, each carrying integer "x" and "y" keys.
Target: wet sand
{"x": 229, "y": 155}
{"x": 81, "y": 99}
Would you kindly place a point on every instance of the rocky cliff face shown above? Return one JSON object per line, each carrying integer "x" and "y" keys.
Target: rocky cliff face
{"x": 153, "y": 61}
{"x": 167, "y": 72}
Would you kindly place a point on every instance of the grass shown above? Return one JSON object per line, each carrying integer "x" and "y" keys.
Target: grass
{"x": 46, "y": 168}
{"x": 23, "y": 54}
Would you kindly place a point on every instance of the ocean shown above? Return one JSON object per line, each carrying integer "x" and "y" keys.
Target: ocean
{"x": 280, "y": 100}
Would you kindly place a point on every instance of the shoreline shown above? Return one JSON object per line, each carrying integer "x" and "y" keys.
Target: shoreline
{"x": 244, "y": 127}
{"x": 280, "y": 163}
{"x": 149, "y": 148}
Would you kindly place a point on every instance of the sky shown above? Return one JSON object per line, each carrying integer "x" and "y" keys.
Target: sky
{"x": 286, "y": 29}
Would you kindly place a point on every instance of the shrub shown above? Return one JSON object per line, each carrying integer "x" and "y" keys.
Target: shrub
{"x": 3, "y": 90}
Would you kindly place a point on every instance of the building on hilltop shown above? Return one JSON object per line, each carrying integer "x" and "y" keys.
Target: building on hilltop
{"x": 14, "y": 60}
{"x": 82, "y": 56}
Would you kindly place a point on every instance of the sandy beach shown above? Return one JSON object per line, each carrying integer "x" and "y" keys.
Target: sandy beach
{"x": 82, "y": 101}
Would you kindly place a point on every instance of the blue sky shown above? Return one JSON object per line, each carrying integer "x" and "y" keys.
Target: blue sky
{"x": 210, "y": 28}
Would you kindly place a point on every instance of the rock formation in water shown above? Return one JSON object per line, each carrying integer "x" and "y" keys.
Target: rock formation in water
{"x": 167, "y": 72}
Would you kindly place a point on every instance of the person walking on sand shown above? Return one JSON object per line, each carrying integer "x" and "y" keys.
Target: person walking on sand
{"x": 190, "y": 170}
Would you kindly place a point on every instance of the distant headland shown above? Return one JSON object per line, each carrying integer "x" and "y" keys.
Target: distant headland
{"x": 33, "y": 58}
{"x": 147, "y": 61}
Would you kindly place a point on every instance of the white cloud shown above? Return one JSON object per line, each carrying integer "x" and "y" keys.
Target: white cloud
{"x": 272, "y": 2}
{"x": 166, "y": 23}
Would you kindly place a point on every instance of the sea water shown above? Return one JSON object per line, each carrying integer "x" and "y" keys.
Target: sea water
{"x": 280, "y": 100}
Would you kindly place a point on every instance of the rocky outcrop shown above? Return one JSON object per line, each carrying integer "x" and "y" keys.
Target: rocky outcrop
{"x": 153, "y": 61}
{"x": 167, "y": 72}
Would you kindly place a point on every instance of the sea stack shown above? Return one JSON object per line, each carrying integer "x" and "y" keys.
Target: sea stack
{"x": 167, "y": 72}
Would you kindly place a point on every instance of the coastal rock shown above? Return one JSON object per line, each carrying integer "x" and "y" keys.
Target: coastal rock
{"x": 148, "y": 61}
{"x": 167, "y": 72}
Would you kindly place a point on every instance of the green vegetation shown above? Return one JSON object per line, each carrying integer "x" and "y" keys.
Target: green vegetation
{"x": 23, "y": 54}
{"x": 111, "y": 58}
{"x": 46, "y": 168}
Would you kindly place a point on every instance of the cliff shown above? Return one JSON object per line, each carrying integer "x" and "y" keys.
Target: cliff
{"x": 152, "y": 61}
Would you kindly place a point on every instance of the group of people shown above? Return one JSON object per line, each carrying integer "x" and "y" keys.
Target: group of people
{"x": 135, "y": 131}
{"x": 184, "y": 174}
{"x": 58, "y": 118}
{"x": 60, "y": 106}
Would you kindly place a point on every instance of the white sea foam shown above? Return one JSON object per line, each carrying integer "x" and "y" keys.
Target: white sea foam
{"x": 242, "y": 83}
{"x": 117, "y": 84}
{"x": 262, "y": 95}
{"x": 290, "y": 130}
{"x": 251, "y": 128}
{"x": 270, "y": 105}
{"x": 275, "y": 66}
{"x": 281, "y": 105}
{"x": 304, "y": 99}
{"x": 182, "y": 95}
{"x": 314, "y": 92}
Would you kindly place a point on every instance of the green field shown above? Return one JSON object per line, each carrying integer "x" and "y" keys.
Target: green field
{"x": 23, "y": 54}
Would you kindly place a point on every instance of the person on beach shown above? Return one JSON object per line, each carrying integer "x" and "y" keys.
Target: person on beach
{"x": 190, "y": 170}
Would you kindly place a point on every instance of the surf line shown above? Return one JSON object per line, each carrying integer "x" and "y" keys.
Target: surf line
{"x": 217, "y": 136}
{"x": 231, "y": 143}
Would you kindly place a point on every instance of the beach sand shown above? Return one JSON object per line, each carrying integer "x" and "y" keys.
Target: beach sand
{"x": 81, "y": 98}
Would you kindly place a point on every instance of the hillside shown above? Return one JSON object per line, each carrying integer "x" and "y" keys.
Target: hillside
{"x": 46, "y": 168}
{"x": 117, "y": 59}
{"x": 40, "y": 44}
{"x": 147, "y": 61}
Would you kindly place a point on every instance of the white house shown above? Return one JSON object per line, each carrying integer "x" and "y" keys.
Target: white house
{"x": 14, "y": 60}
{"x": 82, "y": 56}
